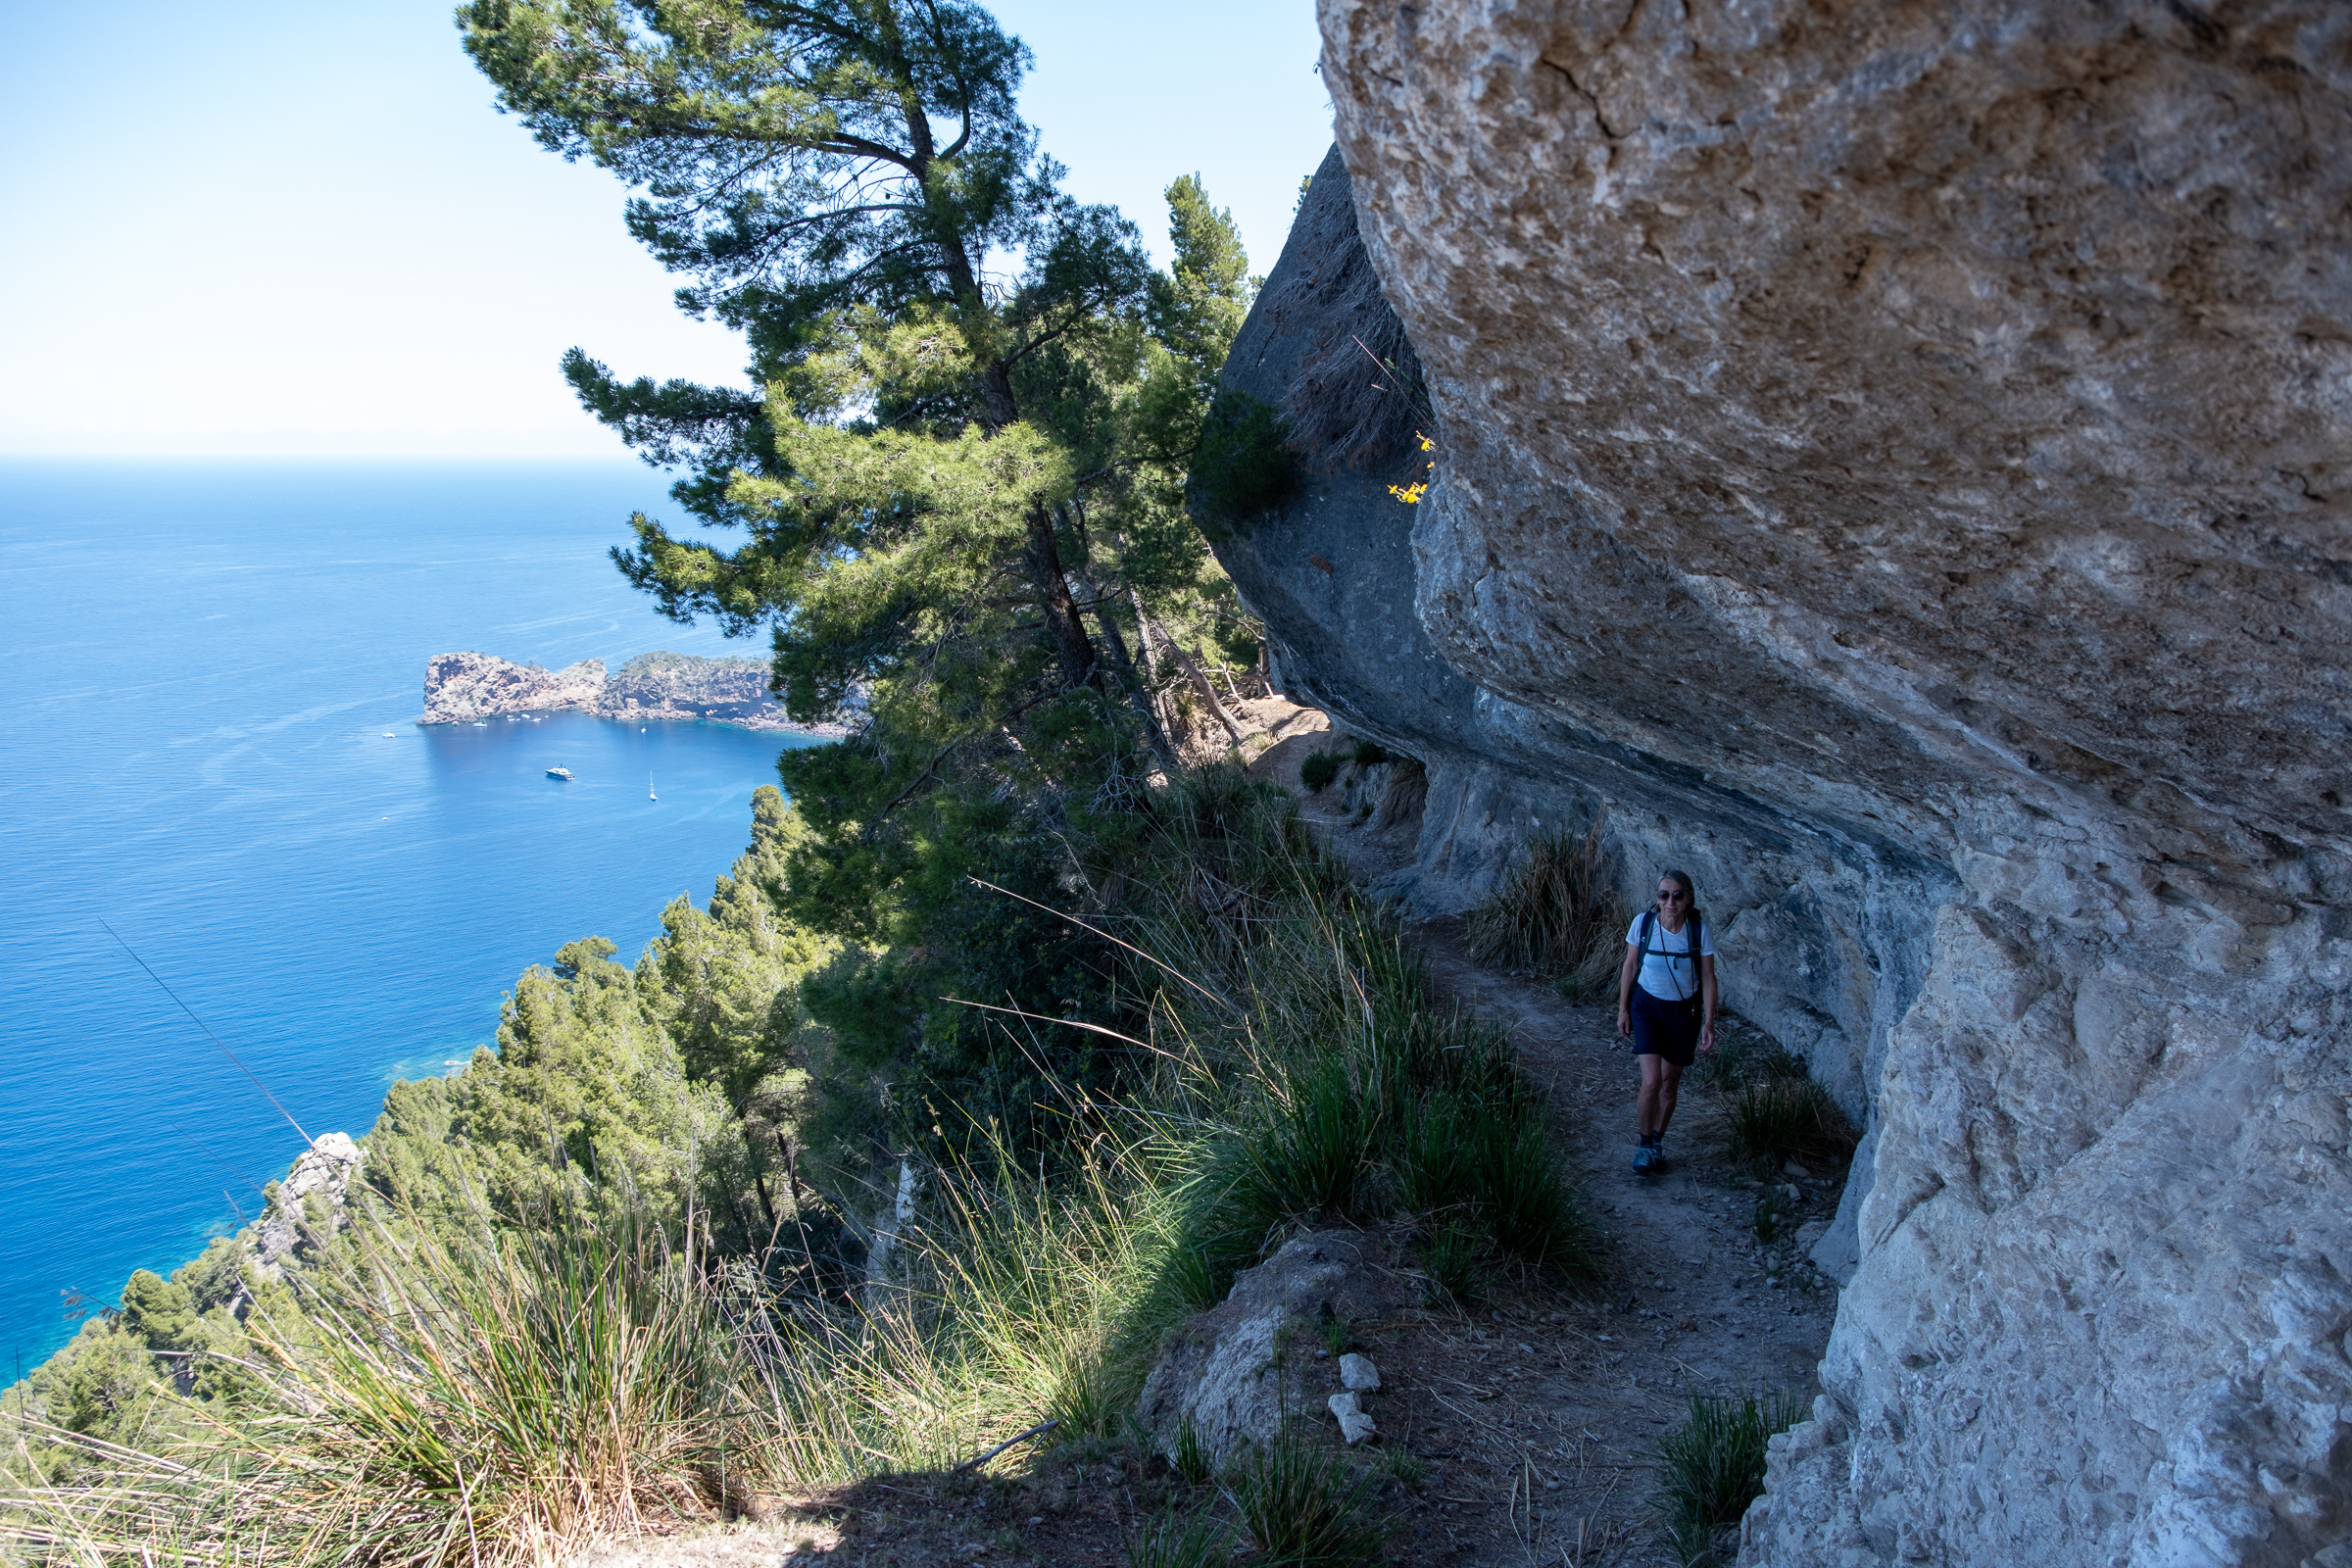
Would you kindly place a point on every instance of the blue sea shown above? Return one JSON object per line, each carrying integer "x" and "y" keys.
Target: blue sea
{"x": 214, "y": 676}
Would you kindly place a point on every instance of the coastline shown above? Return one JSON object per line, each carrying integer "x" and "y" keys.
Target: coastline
{"x": 757, "y": 722}
{"x": 474, "y": 688}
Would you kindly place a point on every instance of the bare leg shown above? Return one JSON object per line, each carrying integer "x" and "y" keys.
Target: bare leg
{"x": 1661, "y": 1085}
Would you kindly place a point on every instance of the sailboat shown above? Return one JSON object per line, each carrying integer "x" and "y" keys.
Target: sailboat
{"x": 649, "y": 788}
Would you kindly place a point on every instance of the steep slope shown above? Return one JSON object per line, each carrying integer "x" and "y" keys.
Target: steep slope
{"x": 1892, "y": 463}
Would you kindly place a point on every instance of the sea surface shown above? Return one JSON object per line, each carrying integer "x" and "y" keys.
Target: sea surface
{"x": 213, "y": 677}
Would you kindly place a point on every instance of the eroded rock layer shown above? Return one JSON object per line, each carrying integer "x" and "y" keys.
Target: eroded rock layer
{"x": 1896, "y": 460}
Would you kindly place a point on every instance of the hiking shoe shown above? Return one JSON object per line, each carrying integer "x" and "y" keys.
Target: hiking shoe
{"x": 1646, "y": 1158}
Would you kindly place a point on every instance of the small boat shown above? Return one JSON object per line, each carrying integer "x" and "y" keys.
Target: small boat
{"x": 388, "y": 734}
{"x": 564, "y": 774}
{"x": 649, "y": 788}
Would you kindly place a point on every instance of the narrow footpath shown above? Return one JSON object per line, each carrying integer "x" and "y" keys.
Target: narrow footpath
{"x": 1535, "y": 1414}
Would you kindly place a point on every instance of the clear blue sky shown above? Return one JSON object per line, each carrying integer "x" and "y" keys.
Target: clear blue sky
{"x": 300, "y": 229}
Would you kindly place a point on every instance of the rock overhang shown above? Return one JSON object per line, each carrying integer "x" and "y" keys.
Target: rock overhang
{"x": 1863, "y": 483}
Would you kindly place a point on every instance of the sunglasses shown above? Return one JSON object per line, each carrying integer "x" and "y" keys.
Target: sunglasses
{"x": 1671, "y": 898}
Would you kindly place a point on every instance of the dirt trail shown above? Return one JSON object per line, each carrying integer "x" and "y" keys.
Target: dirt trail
{"x": 1545, "y": 1405}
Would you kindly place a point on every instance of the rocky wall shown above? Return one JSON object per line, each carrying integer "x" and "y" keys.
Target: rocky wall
{"x": 1893, "y": 459}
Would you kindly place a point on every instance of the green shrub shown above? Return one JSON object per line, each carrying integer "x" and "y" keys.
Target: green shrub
{"x": 1434, "y": 1157}
{"x": 1712, "y": 1467}
{"x": 1369, "y": 754}
{"x": 1315, "y": 1150}
{"x": 1302, "y": 1506}
{"x": 1743, "y": 1056}
{"x": 1319, "y": 769}
{"x": 1787, "y": 1118}
{"x": 1556, "y": 915}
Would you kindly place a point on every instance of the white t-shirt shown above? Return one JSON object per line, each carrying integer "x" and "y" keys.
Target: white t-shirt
{"x": 1670, "y": 978}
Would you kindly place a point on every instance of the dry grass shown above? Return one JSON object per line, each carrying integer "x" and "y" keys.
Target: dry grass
{"x": 1556, "y": 914}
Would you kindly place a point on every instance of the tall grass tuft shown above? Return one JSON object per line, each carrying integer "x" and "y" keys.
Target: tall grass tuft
{"x": 1303, "y": 1507}
{"x": 1712, "y": 1467}
{"x": 1787, "y": 1118}
{"x": 1556, "y": 914}
{"x": 490, "y": 1401}
{"x": 1174, "y": 1542}
{"x": 1326, "y": 1080}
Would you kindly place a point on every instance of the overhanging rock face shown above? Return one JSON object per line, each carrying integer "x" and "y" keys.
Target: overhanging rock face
{"x": 1895, "y": 461}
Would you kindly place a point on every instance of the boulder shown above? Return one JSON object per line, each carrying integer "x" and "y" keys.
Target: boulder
{"x": 1244, "y": 1368}
{"x": 1894, "y": 462}
{"x": 308, "y": 1202}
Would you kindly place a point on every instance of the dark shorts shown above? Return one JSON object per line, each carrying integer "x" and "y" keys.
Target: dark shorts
{"x": 1662, "y": 1028}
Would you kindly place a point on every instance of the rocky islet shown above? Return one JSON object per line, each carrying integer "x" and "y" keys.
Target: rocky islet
{"x": 467, "y": 687}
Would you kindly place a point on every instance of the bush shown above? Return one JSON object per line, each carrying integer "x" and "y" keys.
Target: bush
{"x": 1787, "y": 1118}
{"x": 1314, "y": 1152}
{"x": 484, "y": 1400}
{"x": 1304, "y": 1508}
{"x": 1712, "y": 1467}
{"x": 1530, "y": 1206}
{"x": 1369, "y": 754}
{"x": 1319, "y": 769}
{"x": 1556, "y": 914}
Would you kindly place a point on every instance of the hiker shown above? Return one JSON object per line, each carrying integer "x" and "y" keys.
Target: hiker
{"x": 1666, "y": 1004}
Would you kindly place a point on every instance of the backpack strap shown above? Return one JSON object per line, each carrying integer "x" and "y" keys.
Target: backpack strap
{"x": 1648, "y": 924}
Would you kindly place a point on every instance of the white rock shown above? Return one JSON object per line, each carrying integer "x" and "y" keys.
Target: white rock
{"x": 1354, "y": 1425}
{"x": 1358, "y": 1373}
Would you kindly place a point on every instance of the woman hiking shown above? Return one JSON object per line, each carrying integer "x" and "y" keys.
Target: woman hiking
{"x": 1666, "y": 1004}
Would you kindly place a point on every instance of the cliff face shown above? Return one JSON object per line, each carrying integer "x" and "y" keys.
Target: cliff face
{"x": 1892, "y": 461}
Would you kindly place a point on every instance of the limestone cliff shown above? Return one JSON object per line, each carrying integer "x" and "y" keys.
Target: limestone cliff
{"x": 1892, "y": 460}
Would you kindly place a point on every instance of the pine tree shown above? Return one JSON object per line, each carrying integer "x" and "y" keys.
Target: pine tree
{"x": 955, "y": 503}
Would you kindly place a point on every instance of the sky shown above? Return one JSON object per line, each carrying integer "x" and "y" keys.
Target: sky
{"x": 301, "y": 230}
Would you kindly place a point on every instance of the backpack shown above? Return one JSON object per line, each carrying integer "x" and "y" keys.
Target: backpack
{"x": 1649, "y": 920}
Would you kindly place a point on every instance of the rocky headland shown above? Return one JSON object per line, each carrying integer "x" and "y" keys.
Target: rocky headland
{"x": 465, "y": 687}
{"x": 1889, "y": 462}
